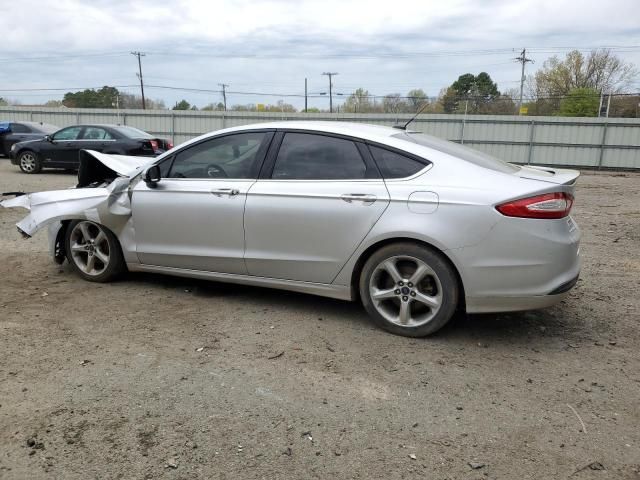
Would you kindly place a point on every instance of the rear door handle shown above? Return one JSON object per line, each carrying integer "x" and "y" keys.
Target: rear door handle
{"x": 232, "y": 192}
{"x": 359, "y": 197}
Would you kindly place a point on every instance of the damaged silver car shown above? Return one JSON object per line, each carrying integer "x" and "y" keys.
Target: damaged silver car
{"x": 412, "y": 226}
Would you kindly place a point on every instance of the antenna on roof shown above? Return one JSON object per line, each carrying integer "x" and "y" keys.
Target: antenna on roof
{"x": 404, "y": 127}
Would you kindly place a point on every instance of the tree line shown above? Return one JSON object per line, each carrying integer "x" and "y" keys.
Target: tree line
{"x": 570, "y": 86}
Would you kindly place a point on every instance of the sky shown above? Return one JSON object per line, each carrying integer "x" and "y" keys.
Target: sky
{"x": 270, "y": 46}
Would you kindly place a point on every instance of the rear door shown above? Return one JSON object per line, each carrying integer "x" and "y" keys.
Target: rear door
{"x": 317, "y": 203}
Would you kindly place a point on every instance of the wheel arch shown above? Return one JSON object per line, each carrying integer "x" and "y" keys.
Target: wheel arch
{"x": 371, "y": 249}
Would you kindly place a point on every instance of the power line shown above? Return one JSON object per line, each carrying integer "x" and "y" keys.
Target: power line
{"x": 140, "y": 54}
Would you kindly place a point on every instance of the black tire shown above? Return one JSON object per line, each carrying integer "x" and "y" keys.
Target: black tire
{"x": 103, "y": 246}
{"x": 441, "y": 282}
{"x": 29, "y": 162}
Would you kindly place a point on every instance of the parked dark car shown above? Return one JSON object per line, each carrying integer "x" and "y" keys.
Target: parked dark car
{"x": 61, "y": 149}
{"x": 14, "y": 132}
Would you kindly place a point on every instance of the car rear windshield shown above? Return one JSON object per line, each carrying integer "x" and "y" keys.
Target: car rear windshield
{"x": 468, "y": 154}
{"x": 131, "y": 132}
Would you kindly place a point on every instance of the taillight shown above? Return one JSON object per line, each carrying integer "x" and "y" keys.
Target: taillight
{"x": 169, "y": 145}
{"x": 548, "y": 205}
{"x": 154, "y": 145}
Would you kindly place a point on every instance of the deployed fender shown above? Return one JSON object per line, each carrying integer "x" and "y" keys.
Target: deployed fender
{"x": 106, "y": 201}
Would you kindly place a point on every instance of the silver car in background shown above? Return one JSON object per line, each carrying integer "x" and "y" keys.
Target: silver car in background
{"x": 412, "y": 226}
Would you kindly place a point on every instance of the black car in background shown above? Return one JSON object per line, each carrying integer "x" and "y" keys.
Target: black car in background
{"x": 61, "y": 149}
{"x": 14, "y": 132}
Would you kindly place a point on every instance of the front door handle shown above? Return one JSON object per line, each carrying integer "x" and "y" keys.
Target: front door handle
{"x": 359, "y": 197}
{"x": 232, "y": 192}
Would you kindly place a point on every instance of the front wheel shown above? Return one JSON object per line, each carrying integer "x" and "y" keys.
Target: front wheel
{"x": 408, "y": 289}
{"x": 93, "y": 251}
{"x": 29, "y": 162}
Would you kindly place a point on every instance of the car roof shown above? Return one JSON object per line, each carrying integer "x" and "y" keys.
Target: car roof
{"x": 359, "y": 130}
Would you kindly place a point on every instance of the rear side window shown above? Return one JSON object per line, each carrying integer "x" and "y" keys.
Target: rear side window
{"x": 96, "y": 133}
{"x": 395, "y": 165}
{"x": 304, "y": 156}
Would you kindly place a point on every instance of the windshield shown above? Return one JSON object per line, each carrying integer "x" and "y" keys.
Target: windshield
{"x": 468, "y": 154}
{"x": 131, "y": 132}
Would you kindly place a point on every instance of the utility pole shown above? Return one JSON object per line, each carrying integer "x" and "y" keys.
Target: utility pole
{"x": 140, "y": 54}
{"x": 330, "y": 75}
{"x": 224, "y": 94}
{"x": 523, "y": 60}
{"x": 305, "y": 95}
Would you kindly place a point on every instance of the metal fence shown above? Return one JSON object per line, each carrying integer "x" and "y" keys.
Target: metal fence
{"x": 578, "y": 142}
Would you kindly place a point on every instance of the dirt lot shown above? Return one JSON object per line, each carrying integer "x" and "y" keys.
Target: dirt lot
{"x": 157, "y": 377}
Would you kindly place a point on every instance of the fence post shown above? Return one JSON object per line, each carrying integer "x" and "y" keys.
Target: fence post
{"x": 224, "y": 122}
{"x": 173, "y": 128}
{"x": 603, "y": 143}
{"x": 124, "y": 118}
{"x": 532, "y": 130}
{"x": 77, "y": 118}
{"x": 462, "y": 124}
{"x": 31, "y": 115}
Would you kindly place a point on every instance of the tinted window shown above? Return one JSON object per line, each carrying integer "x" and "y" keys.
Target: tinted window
{"x": 19, "y": 128}
{"x": 231, "y": 156}
{"x": 70, "y": 133}
{"x": 165, "y": 166}
{"x": 96, "y": 133}
{"x": 304, "y": 156}
{"x": 394, "y": 165}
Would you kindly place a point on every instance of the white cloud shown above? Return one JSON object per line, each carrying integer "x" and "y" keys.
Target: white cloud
{"x": 179, "y": 35}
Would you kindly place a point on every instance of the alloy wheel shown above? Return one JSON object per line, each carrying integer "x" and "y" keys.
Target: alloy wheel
{"x": 28, "y": 162}
{"x": 89, "y": 248}
{"x": 405, "y": 291}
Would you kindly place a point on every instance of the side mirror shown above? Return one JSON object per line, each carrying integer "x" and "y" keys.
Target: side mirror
{"x": 152, "y": 176}
{"x": 48, "y": 138}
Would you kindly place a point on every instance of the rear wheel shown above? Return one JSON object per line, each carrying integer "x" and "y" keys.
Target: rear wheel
{"x": 408, "y": 289}
{"x": 29, "y": 162}
{"x": 94, "y": 251}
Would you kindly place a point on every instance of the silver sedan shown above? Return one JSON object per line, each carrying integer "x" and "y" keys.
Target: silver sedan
{"x": 412, "y": 226}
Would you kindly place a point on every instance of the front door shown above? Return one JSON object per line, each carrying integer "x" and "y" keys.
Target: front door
{"x": 63, "y": 148}
{"x": 193, "y": 218}
{"x": 316, "y": 207}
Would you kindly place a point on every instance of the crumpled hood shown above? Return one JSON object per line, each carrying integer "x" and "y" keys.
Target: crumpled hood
{"x": 109, "y": 205}
{"x": 96, "y": 166}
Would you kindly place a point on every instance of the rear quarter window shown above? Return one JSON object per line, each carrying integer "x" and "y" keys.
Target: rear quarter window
{"x": 395, "y": 165}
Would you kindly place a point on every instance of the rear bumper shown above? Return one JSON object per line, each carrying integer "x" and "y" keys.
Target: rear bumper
{"x": 514, "y": 304}
{"x": 522, "y": 265}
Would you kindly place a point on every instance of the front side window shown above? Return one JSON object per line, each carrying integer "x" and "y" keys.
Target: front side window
{"x": 395, "y": 165}
{"x": 96, "y": 133}
{"x": 231, "y": 156}
{"x": 70, "y": 133}
{"x": 305, "y": 156}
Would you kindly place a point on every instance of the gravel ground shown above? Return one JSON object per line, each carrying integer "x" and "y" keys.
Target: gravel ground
{"x": 159, "y": 377}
